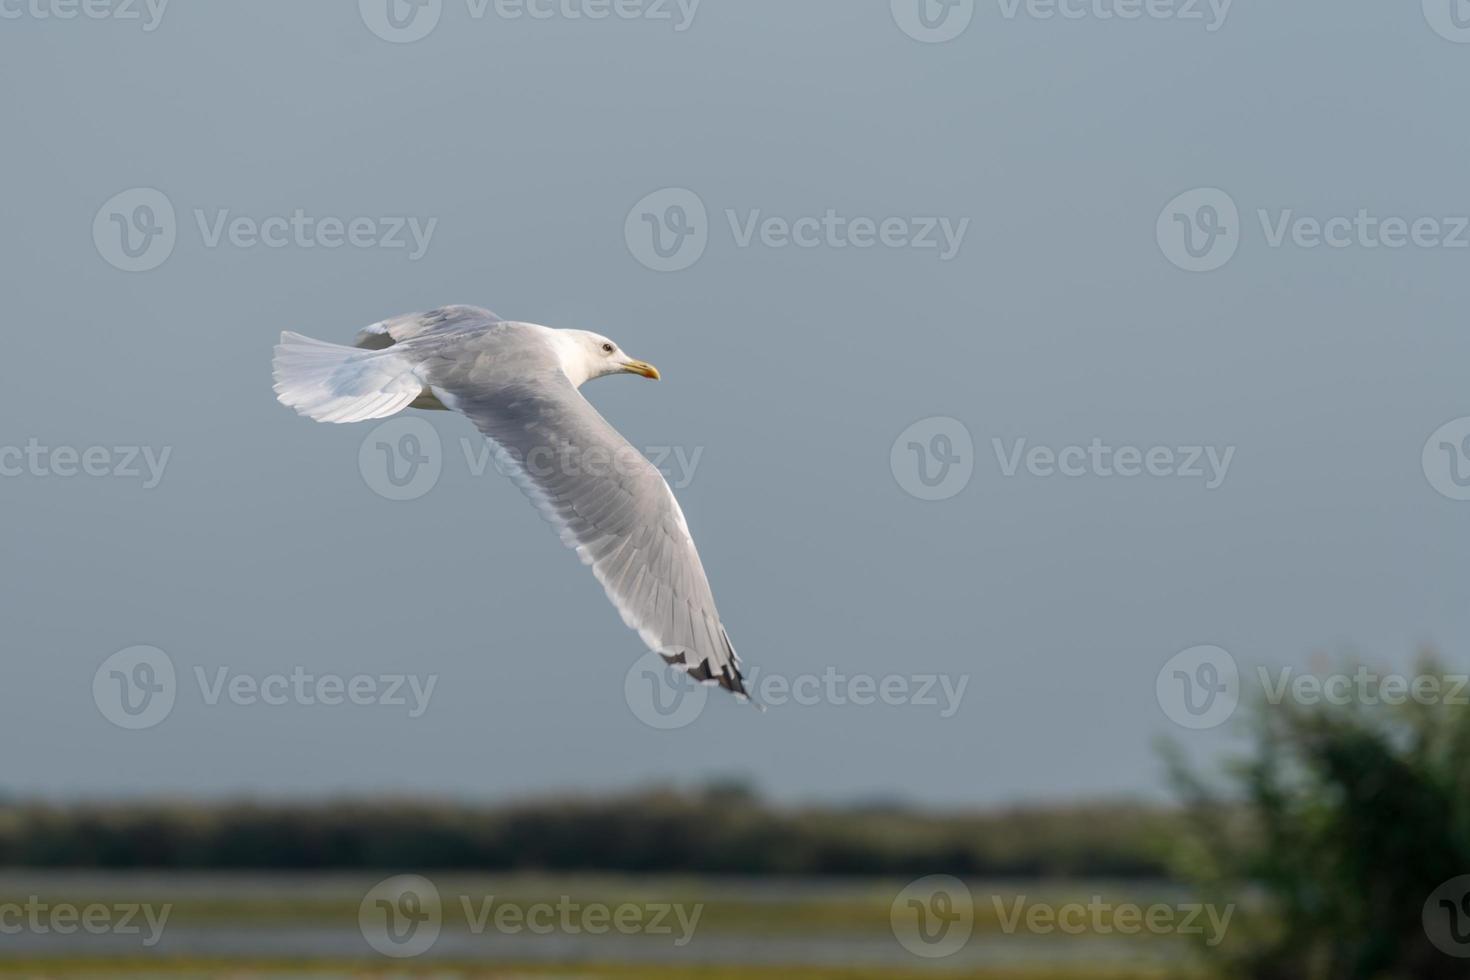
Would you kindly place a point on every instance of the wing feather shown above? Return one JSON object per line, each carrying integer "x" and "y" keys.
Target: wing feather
{"x": 622, "y": 518}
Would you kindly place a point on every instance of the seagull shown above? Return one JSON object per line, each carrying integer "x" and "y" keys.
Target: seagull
{"x": 519, "y": 383}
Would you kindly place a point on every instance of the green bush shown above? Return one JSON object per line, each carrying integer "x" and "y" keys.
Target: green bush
{"x": 1334, "y": 834}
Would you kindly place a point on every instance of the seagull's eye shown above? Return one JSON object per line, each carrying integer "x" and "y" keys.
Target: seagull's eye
{"x": 608, "y": 348}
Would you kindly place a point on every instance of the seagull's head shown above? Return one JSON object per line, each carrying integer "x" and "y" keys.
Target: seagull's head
{"x": 586, "y": 355}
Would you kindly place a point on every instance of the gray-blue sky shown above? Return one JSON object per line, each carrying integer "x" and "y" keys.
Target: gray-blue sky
{"x": 793, "y": 369}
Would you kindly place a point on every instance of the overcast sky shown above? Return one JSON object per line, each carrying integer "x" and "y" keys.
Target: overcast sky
{"x": 1014, "y": 259}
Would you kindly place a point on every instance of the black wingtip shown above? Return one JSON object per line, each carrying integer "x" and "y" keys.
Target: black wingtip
{"x": 728, "y": 678}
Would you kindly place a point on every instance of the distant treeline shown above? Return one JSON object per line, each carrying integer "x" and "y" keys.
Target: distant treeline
{"x": 717, "y": 831}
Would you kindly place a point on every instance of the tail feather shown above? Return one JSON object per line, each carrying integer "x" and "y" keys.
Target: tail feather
{"x": 331, "y": 383}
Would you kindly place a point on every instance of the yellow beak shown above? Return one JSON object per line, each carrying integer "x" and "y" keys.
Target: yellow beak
{"x": 642, "y": 368}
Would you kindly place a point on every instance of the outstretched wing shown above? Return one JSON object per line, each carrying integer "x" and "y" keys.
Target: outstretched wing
{"x": 386, "y": 333}
{"x": 613, "y": 506}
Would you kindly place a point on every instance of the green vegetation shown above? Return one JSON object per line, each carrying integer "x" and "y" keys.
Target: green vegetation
{"x": 202, "y": 970}
{"x": 720, "y": 831}
{"x": 1353, "y": 817}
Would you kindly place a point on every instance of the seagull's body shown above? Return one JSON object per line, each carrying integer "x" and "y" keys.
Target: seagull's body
{"x": 518, "y": 382}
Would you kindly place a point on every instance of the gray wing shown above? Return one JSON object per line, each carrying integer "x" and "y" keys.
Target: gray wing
{"x": 386, "y": 333}
{"x": 614, "y": 507}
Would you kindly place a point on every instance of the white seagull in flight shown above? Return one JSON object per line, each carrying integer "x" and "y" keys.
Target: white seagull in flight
{"x": 518, "y": 382}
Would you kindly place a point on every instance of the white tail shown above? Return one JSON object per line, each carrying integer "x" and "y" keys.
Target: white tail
{"x": 331, "y": 383}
